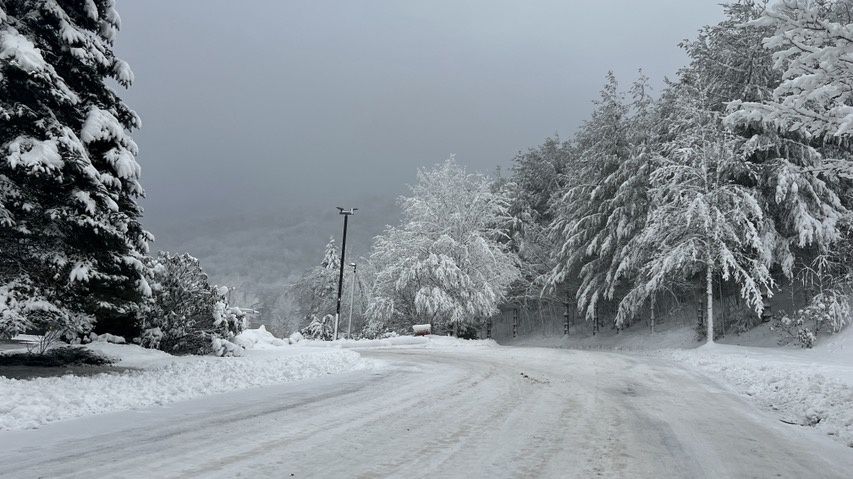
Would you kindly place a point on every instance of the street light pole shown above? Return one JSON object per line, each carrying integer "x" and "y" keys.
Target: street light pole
{"x": 346, "y": 214}
{"x": 351, "y": 298}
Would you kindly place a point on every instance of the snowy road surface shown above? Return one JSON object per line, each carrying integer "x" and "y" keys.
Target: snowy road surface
{"x": 468, "y": 412}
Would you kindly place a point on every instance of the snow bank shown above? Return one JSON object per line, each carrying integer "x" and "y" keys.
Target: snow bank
{"x": 804, "y": 389}
{"x": 259, "y": 339}
{"x": 163, "y": 379}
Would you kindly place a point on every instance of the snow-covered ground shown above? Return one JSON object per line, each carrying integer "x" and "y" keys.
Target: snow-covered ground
{"x": 157, "y": 378}
{"x": 444, "y": 412}
{"x": 812, "y": 388}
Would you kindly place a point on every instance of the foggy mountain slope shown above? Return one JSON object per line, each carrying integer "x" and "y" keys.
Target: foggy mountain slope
{"x": 261, "y": 253}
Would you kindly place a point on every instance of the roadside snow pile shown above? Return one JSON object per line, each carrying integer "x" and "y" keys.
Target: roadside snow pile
{"x": 26, "y": 404}
{"x": 808, "y": 388}
{"x": 259, "y": 339}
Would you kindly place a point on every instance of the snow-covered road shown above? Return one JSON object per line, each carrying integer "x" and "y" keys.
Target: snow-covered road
{"x": 467, "y": 412}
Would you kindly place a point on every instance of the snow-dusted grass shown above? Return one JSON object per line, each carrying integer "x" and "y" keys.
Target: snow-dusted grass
{"x": 159, "y": 378}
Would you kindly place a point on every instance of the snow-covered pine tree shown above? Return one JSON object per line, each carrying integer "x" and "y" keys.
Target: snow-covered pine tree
{"x": 70, "y": 238}
{"x": 331, "y": 256}
{"x": 701, "y": 222}
{"x": 315, "y": 293}
{"x": 731, "y": 58}
{"x": 579, "y": 222}
{"x": 801, "y": 134}
{"x": 597, "y": 216}
{"x": 812, "y": 41}
{"x": 536, "y": 175}
{"x": 447, "y": 263}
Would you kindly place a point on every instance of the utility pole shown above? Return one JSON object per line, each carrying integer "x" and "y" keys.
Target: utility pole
{"x": 346, "y": 214}
{"x": 351, "y": 298}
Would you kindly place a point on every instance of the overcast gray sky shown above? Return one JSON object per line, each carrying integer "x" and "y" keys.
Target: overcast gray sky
{"x": 255, "y": 104}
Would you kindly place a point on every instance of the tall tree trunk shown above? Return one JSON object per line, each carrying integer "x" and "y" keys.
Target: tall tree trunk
{"x": 652, "y": 315}
{"x": 722, "y": 306}
{"x": 709, "y": 300}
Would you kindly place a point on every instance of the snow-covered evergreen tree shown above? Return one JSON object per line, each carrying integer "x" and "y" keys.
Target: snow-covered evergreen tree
{"x": 315, "y": 293}
{"x": 70, "y": 237}
{"x": 701, "y": 221}
{"x": 537, "y": 174}
{"x": 812, "y": 42}
{"x": 331, "y": 257}
{"x": 800, "y": 135}
{"x": 448, "y": 262}
{"x": 730, "y": 56}
{"x": 595, "y": 219}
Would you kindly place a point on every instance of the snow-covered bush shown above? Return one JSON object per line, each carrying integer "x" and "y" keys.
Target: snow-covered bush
{"x": 15, "y": 298}
{"x": 225, "y": 348}
{"x": 468, "y": 331}
{"x": 186, "y": 314}
{"x": 151, "y": 338}
{"x": 828, "y": 312}
{"x": 320, "y": 328}
{"x": 24, "y": 309}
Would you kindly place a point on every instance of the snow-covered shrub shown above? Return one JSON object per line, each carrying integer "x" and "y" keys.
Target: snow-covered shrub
{"x": 827, "y": 312}
{"x": 468, "y": 331}
{"x": 224, "y": 348}
{"x": 320, "y": 328}
{"x": 738, "y": 317}
{"x": 24, "y": 309}
{"x": 186, "y": 314}
{"x": 151, "y": 338}
{"x": 53, "y": 325}
{"x": 14, "y": 298}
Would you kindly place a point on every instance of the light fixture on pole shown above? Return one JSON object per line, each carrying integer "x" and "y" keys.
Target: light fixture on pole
{"x": 351, "y": 298}
{"x": 346, "y": 214}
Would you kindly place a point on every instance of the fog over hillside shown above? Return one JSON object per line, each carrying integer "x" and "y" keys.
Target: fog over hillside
{"x": 258, "y": 254}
